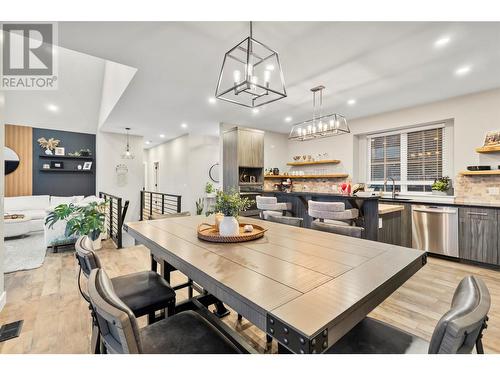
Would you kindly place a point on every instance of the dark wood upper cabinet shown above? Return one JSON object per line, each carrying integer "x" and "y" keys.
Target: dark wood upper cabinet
{"x": 478, "y": 234}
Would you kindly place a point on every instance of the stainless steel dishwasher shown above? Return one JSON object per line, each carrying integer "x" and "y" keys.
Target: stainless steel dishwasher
{"x": 435, "y": 229}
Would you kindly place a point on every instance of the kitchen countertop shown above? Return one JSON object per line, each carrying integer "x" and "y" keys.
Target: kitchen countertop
{"x": 454, "y": 202}
{"x": 388, "y": 208}
{"x": 317, "y": 194}
{"x": 438, "y": 201}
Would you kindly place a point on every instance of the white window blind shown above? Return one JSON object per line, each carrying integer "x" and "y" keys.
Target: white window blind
{"x": 414, "y": 158}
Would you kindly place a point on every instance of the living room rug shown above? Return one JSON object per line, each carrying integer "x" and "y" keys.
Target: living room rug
{"x": 24, "y": 253}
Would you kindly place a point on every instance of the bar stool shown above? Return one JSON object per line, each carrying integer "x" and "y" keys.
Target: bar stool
{"x": 333, "y": 217}
{"x": 269, "y": 206}
{"x": 287, "y": 220}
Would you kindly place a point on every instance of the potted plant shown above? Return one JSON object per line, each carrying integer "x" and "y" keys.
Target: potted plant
{"x": 199, "y": 206}
{"x": 87, "y": 220}
{"x": 230, "y": 205}
{"x": 210, "y": 190}
{"x": 441, "y": 186}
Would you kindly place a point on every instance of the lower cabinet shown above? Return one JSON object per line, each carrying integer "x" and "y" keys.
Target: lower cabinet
{"x": 478, "y": 234}
{"x": 396, "y": 227}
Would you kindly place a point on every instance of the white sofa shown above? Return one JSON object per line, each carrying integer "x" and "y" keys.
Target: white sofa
{"x": 36, "y": 207}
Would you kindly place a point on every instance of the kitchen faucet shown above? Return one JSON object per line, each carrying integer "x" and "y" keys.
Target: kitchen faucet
{"x": 393, "y": 186}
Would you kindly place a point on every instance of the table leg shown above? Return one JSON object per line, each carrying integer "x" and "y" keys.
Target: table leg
{"x": 283, "y": 350}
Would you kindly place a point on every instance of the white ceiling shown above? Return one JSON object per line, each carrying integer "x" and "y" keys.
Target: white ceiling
{"x": 384, "y": 66}
{"x": 73, "y": 106}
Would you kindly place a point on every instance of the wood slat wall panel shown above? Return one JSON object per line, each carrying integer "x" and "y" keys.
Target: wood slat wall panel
{"x": 20, "y": 139}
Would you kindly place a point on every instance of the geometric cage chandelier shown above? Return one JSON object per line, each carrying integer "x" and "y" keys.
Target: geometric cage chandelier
{"x": 251, "y": 75}
{"x": 320, "y": 126}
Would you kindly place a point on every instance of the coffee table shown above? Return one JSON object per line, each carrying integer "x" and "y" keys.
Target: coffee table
{"x": 16, "y": 227}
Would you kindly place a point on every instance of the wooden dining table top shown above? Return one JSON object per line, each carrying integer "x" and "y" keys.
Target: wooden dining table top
{"x": 304, "y": 287}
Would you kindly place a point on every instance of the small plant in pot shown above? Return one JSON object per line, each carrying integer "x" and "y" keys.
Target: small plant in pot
{"x": 230, "y": 205}
{"x": 210, "y": 190}
{"x": 85, "y": 220}
{"x": 441, "y": 186}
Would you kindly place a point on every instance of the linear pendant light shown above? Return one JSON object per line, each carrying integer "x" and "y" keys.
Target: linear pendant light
{"x": 251, "y": 75}
{"x": 319, "y": 126}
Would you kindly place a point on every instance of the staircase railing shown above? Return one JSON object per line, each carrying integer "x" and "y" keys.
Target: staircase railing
{"x": 153, "y": 203}
{"x": 115, "y": 216}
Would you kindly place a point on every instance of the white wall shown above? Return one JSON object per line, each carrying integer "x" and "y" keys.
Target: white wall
{"x": 184, "y": 165}
{"x": 275, "y": 150}
{"x": 109, "y": 149}
{"x": 473, "y": 115}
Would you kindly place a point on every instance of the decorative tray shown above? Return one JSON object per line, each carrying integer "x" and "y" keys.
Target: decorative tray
{"x": 207, "y": 232}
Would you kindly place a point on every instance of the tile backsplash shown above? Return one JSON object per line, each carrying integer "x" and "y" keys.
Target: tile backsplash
{"x": 477, "y": 188}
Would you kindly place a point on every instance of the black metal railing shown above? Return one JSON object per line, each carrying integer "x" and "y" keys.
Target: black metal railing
{"x": 115, "y": 215}
{"x": 153, "y": 203}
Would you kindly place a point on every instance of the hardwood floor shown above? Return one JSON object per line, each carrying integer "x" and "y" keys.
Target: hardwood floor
{"x": 56, "y": 319}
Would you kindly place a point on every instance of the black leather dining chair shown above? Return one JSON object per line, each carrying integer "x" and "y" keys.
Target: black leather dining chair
{"x": 184, "y": 333}
{"x": 143, "y": 292}
{"x": 457, "y": 332}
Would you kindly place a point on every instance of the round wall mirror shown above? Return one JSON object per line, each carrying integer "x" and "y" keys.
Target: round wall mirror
{"x": 11, "y": 160}
{"x": 213, "y": 173}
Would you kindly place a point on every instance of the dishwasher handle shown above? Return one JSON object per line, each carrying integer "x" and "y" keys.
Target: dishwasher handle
{"x": 436, "y": 210}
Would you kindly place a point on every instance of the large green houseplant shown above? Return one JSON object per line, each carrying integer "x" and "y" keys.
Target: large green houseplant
{"x": 81, "y": 220}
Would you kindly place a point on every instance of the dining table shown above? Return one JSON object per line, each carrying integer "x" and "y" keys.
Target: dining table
{"x": 304, "y": 288}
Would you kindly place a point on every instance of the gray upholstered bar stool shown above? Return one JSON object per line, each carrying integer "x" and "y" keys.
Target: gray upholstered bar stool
{"x": 457, "y": 332}
{"x": 269, "y": 206}
{"x": 288, "y": 220}
{"x": 333, "y": 217}
{"x": 143, "y": 292}
{"x": 184, "y": 333}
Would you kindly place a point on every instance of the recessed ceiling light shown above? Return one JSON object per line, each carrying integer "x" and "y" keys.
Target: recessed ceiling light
{"x": 211, "y": 100}
{"x": 462, "y": 70}
{"x": 162, "y": 135}
{"x": 184, "y": 125}
{"x": 441, "y": 42}
{"x": 288, "y": 119}
{"x": 52, "y": 107}
{"x": 255, "y": 110}
{"x": 351, "y": 101}
{"x": 148, "y": 142}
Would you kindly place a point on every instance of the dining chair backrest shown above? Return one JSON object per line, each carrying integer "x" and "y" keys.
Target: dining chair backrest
{"x": 117, "y": 323}
{"x": 461, "y": 327}
{"x": 87, "y": 258}
{"x": 331, "y": 210}
{"x": 288, "y": 220}
{"x": 344, "y": 230}
{"x": 266, "y": 203}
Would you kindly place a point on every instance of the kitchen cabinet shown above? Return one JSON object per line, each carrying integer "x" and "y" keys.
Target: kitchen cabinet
{"x": 396, "y": 226}
{"x": 478, "y": 235}
{"x": 250, "y": 148}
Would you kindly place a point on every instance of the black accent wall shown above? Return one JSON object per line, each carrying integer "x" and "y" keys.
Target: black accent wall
{"x": 69, "y": 181}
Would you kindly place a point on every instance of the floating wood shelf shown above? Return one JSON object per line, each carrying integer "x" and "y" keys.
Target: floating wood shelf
{"x": 333, "y": 175}
{"x": 487, "y": 149}
{"x": 481, "y": 173}
{"x": 299, "y": 163}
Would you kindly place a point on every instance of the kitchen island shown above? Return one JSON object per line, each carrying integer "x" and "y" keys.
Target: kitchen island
{"x": 367, "y": 206}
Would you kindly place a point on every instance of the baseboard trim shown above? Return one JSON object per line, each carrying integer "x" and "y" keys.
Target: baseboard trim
{"x": 3, "y": 300}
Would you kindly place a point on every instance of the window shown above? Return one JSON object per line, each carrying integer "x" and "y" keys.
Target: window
{"x": 414, "y": 158}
